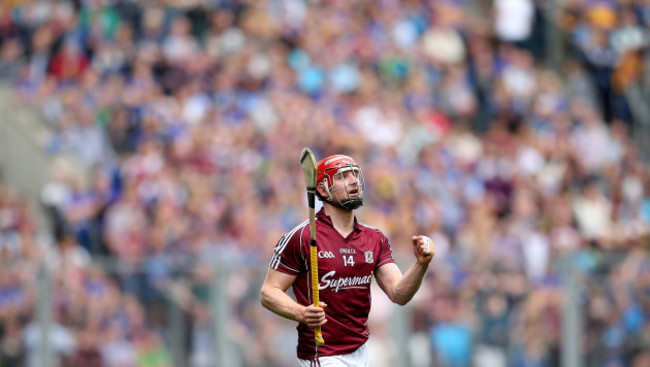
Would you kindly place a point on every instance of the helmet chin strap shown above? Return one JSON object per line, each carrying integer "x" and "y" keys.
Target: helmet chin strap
{"x": 351, "y": 203}
{"x": 348, "y": 204}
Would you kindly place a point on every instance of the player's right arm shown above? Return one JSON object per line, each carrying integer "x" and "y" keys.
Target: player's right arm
{"x": 274, "y": 297}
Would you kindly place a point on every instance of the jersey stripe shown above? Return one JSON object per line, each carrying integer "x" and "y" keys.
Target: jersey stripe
{"x": 385, "y": 261}
{"x": 282, "y": 244}
{"x": 367, "y": 226}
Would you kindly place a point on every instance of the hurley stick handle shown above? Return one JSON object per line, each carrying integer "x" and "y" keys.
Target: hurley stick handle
{"x": 314, "y": 286}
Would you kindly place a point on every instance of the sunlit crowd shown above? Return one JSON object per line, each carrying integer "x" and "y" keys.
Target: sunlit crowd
{"x": 187, "y": 119}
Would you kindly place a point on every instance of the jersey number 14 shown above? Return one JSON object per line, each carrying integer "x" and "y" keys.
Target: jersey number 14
{"x": 348, "y": 260}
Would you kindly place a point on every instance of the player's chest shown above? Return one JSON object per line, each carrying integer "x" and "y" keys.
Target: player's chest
{"x": 346, "y": 257}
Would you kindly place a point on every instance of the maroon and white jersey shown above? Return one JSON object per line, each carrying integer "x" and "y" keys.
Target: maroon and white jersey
{"x": 345, "y": 269}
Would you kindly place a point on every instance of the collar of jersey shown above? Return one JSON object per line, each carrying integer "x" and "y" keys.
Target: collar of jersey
{"x": 326, "y": 218}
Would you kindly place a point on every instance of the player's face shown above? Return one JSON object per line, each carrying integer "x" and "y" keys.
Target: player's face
{"x": 347, "y": 184}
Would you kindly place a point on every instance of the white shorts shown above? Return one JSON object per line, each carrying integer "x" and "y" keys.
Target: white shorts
{"x": 358, "y": 358}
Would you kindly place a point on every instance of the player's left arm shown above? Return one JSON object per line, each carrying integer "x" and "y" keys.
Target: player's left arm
{"x": 400, "y": 288}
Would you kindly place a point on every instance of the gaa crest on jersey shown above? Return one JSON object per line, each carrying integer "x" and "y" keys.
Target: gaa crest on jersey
{"x": 370, "y": 256}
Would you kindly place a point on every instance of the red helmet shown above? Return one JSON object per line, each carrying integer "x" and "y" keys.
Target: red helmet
{"x": 326, "y": 173}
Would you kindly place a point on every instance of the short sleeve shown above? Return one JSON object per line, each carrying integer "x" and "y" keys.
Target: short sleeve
{"x": 287, "y": 254}
{"x": 385, "y": 252}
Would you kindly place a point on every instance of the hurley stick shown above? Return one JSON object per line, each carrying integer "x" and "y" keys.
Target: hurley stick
{"x": 308, "y": 163}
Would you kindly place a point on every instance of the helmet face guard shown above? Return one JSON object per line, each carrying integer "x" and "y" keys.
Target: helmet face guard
{"x": 342, "y": 179}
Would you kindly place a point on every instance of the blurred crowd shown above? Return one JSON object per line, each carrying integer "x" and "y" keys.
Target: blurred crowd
{"x": 188, "y": 118}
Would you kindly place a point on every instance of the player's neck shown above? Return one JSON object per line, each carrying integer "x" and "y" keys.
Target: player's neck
{"x": 342, "y": 219}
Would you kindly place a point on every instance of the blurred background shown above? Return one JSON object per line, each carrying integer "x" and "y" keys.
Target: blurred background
{"x": 149, "y": 164}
